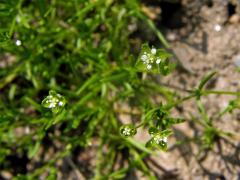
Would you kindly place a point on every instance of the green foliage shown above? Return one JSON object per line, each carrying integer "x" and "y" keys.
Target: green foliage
{"x": 84, "y": 51}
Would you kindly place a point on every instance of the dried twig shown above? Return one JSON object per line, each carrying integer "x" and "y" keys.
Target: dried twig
{"x": 79, "y": 175}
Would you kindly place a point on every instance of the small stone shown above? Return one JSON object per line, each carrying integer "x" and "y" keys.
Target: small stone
{"x": 6, "y": 175}
{"x": 217, "y": 27}
{"x": 234, "y": 19}
{"x": 236, "y": 60}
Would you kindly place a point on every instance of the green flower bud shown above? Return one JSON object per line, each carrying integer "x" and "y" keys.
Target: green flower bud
{"x": 152, "y": 131}
{"x": 150, "y": 144}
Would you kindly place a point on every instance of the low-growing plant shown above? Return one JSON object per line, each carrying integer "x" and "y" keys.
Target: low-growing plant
{"x": 71, "y": 69}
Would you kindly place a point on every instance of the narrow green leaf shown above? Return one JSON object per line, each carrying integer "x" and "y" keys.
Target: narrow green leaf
{"x": 206, "y": 79}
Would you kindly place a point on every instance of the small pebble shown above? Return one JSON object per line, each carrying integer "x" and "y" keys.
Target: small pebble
{"x": 234, "y": 19}
{"x": 217, "y": 27}
{"x": 236, "y": 60}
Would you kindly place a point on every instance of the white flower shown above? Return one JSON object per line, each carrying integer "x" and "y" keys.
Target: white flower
{"x": 158, "y": 61}
{"x": 144, "y": 57}
{"x": 164, "y": 139}
{"x": 60, "y": 103}
{"x": 126, "y": 132}
{"x": 149, "y": 66}
{"x": 153, "y": 50}
{"x": 53, "y": 102}
{"x": 52, "y": 105}
{"x": 18, "y": 43}
{"x": 158, "y": 139}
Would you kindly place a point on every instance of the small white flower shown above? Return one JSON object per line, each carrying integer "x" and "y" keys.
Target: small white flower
{"x": 164, "y": 139}
{"x": 157, "y": 139}
{"x": 60, "y": 103}
{"x": 149, "y": 66}
{"x": 52, "y": 105}
{"x": 153, "y": 50}
{"x": 147, "y": 61}
{"x": 18, "y": 43}
{"x": 126, "y": 132}
{"x": 144, "y": 57}
{"x": 54, "y": 101}
{"x": 158, "y": 61}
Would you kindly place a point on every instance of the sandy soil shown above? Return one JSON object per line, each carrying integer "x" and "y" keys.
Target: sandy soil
{"x": 208, "y": 41}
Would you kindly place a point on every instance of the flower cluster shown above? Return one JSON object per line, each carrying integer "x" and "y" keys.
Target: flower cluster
{"x": 153, "y": 60}
{"x": 159, "y": 139}
{"x": 54, "y": 101}
{"x": 128, "y": 130}
{"x": 150, "y": 58}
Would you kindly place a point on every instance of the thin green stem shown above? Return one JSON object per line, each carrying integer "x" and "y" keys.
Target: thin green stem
{"x": 140, "y": 125}
{"x": 180, "y": 101}
{"x": 205, "y": 93}
{"x": 155, "y": 30}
